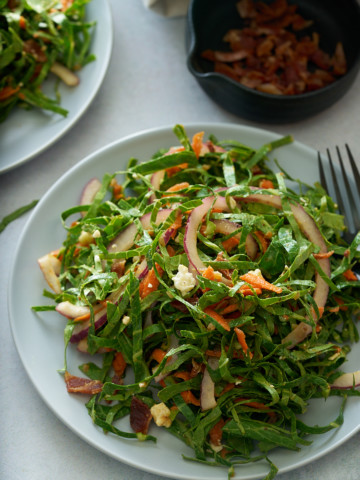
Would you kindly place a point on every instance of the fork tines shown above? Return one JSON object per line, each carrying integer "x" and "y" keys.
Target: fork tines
{"x": 344, "y": 190}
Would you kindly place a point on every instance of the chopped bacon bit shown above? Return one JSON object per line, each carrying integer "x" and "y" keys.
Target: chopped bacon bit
{"x": 218, "y": 318}
{"x": 119, "y": 364}
{"x": 319, "y": 256}
{"x": 215, "y": 433}
{"x": 32, "y": 47}
{"x": 140, "y": 416}
{"x": 189, "y": 397}
{"x": 265, "y": 183}
{"x": 259, "y": 282}
{"x": 82, "y": 385}
{"x": 269, "y": 55}
{"x": 350, "y": 276}
{"x": 118, "y": 267}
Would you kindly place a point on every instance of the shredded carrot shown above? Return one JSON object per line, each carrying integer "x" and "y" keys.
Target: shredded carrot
{"x": 334, "y": 309}
{"x": 320, "y": 256}
{"x": 350, "y": 276}
{"x": 210, "y": 274}
{"x": 227, "y": 388}
{"x": 158, "y": 354}
{"x": 340, "y": 302}
{"x": 242, "y": 340}
{"x": 119, "y": 364}
{"x": 218, "y": 318}
{"x": 318, "y": 328}
{"x": 347, "y": 253}
{"x": 263, "y": 240}
{"x": 170, "y": 250}
{"x": 8, "y": 92}
{"x": 230, "y": 243}
{"x": 183, "y": 375}
{"x": 216, "y": 210}
{"x": 189, "y": 397}
{"x": 321, "y": 312}
{"x": 246, "y": 290}
{"x": 259, "y": 282}
{"x": 232, "y": 307}
{"x": 22, "y": 22}
{"x": 150, "y": 283}
{"x": 86, "y": 316}
{"x": 265, "y": 183}
{"x": 215, "y": 433}
{"x": 117, "y": 189}
{"x": 178, "y": 186}
{"x": 197, "y": 143}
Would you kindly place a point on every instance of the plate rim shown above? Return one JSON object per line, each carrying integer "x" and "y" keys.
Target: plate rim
{"x": 150, "y": 132}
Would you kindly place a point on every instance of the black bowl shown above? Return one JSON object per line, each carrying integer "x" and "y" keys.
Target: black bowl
{"x": 334, "y": 21}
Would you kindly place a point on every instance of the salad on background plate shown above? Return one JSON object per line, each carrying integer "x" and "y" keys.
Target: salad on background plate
{"x": 207, "y": 293}
{"x": 54, "y": 55}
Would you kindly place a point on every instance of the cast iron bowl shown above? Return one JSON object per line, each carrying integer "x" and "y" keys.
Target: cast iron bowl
{"x": 334, "y": 20}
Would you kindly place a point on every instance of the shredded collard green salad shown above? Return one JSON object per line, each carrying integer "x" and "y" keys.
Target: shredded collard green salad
{"x": 39, "y": 38}
{"x": 216, "y": 300}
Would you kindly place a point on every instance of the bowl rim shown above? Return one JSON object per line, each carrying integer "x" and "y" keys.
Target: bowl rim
{"x": 282, "y": 98}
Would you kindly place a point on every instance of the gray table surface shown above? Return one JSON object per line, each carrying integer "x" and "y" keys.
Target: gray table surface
{"x": 147, "y": 85}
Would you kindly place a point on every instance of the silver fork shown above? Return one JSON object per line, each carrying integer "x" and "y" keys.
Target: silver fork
{"x": 351, "y": 210}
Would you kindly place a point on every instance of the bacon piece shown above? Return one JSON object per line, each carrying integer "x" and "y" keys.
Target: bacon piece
{"x": 32, "y": 47}
{"x": 267, "y": 55}
{"x": 82, "y": 385}
{"x": 140, "y": 416}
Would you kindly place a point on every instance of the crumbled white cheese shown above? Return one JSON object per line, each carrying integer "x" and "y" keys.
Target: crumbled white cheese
{"x": 126, "y": 320}
{"x": 161, "y": 415}
{"x": 142, "y": 384}
{"x": 85, "y": 238}
{"x": 97, "y": 234}
{"x": 150, "y": 285}
{"x": 184, "y": 281}
{"x": 256, "y": 272}
{"x": 216, "y": 448}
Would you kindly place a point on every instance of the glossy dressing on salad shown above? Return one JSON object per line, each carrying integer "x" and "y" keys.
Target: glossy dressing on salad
{"x": 216, "y": 299}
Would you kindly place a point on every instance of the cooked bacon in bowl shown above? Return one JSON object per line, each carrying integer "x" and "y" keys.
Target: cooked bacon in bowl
{"x": 274, "y": 52}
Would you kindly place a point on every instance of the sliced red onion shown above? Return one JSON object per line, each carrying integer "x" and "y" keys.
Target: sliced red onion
{"x": 227, "y": 227}
{"x": 155, "y": 180}
{"x": 81, "y": 330}
{"x": 89, "y": 192}
{"x": 347, "y": 380}
{"x": 70, "y": 310}
{"x": 194, "y": 220}
{"x": 66, "y": 75}
{"x": 141, "y": 270}
{"x": 207, "y": 391}
{"x": 125, "y": 240}
{"x": 50, "y": 267}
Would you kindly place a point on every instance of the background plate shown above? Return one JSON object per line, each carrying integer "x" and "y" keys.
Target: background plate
{"x": 39, "y": 337}
{"x": 25, "y": 134}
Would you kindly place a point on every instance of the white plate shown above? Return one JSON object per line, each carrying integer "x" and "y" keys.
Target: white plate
{"x": 25, "y": 134}
{"x": 39, "y": 337}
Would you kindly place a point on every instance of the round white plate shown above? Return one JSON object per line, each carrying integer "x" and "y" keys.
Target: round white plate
{"x": 39, "y": 337}
{"x": 25, "y": 134}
